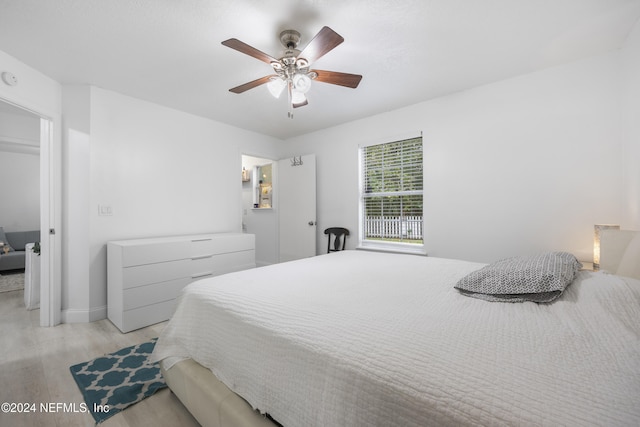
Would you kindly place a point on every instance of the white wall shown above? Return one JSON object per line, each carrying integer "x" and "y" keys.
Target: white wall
{"x": 19, "y": 172}
{"x": 519, "y": 166}
{"x": 631, "y": 102}
{"x": 19, "y": 191}
{"x": 162, "y": 172}
{"x": 76, "y": 141}
{"x": 19, "y": 129}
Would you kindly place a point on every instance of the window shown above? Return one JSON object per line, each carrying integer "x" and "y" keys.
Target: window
{"x": 391, "y": 195}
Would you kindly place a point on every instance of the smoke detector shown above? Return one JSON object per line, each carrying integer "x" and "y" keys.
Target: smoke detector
{"x": 9, "y": 78}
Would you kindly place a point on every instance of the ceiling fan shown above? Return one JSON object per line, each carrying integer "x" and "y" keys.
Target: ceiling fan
{"x": 292, "y": 69}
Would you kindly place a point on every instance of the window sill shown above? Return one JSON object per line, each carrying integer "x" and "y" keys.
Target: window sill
{"x": 393, "y": 248}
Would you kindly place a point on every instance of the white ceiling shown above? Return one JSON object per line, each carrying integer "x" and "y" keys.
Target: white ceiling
{"x": 169, "y": 51}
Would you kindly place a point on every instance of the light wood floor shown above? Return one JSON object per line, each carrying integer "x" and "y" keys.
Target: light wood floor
{"x": 35, "y": 361}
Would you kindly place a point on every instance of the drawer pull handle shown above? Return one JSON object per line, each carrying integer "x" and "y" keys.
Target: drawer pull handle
{"x": 201, "y": 240}
{"x": 201, "y": 257}
{"x": 196, "y": 276}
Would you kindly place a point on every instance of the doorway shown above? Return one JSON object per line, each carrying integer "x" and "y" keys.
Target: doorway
{"x": 259, "y": 211}
{"x": 24, "y": 133}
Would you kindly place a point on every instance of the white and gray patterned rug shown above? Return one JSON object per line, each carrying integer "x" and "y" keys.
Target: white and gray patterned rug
{"x": 11, "y": 282}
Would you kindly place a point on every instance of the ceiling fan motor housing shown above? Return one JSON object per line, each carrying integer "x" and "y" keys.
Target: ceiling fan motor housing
{"x": 289, "y": 64}
{"x": 290, "y": 38}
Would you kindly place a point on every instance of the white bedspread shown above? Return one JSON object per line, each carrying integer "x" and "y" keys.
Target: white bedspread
{"x": 358, "y": 338}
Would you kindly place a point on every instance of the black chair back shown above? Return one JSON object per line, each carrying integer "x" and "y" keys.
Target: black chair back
{"x": 339, "y": 238}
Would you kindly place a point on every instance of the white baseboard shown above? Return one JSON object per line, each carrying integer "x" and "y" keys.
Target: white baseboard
{"x": 84, "y": 316}
{"x": 263, "y": 264}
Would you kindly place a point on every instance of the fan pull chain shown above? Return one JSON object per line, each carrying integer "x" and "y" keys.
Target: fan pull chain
{"x": 290, "y": 97}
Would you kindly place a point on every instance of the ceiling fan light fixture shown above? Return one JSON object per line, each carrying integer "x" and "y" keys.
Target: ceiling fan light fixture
{"x": 292, "y": 69}
{"x": 275, "y": 86}
{"x": 297, "y": 97}
{"x": 301, "y": 83}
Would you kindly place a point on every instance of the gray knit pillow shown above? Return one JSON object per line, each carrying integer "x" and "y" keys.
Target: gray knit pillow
{"x": 538, "y": 278}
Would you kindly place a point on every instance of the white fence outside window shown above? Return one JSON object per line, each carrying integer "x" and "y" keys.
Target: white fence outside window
{"x": 393, "y": 227}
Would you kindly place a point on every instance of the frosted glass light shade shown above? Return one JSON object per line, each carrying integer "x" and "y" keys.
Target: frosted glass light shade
{"x": 297, "y": 97}
{"x": 301, "y": 83}
{"x": 275, "y": 86}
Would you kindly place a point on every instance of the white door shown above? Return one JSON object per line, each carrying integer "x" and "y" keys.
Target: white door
{"x": 297, "y": 205}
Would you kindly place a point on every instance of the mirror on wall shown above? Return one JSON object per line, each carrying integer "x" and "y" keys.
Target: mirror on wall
{"x": 263, "y": 186}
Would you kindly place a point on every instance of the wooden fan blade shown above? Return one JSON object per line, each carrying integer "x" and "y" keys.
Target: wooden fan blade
{"x": 336, "y": 78}
{"x": 302, "y": 104}
{"x": 323, "y": 42}
{"x": 250, "y": 85}
{"x": 249, "y": 50}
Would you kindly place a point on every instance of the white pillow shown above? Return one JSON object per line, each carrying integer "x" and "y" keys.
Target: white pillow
{"x": 630, "y": 261}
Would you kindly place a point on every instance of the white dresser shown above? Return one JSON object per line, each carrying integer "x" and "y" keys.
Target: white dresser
{"x": 144, "y": 276}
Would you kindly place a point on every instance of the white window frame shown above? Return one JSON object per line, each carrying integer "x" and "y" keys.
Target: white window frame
{"x": 363, "y": 243}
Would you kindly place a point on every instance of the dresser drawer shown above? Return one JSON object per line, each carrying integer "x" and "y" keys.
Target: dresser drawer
{"x": 147, "y": 315}
{"x": 222, "y": 243}
{"x": 234, "y": 261}
{"x": 201, "y": 267}
{"x": 152, "y": 294}
{"x": 140, "y": 275}
{"x": 155, "y": 252}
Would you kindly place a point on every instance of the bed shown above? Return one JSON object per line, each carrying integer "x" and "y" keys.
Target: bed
{"x": 358, "y": 338}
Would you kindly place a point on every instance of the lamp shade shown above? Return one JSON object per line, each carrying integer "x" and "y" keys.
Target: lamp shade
{"x": 596, "y": 242}
{"x": 301, "y": 83}
{"x": 275, "y": 86}
{"x": 297, "y": 97}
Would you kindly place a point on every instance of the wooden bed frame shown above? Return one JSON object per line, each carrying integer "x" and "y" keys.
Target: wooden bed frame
{"x": 213, "y": 404}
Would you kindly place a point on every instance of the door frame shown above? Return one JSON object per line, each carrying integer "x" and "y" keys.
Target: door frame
{"x": 267, "y": 215}
{"x": 50, "y": 211}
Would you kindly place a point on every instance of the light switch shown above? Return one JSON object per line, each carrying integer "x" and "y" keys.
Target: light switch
{"x": 104, "y": 210}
